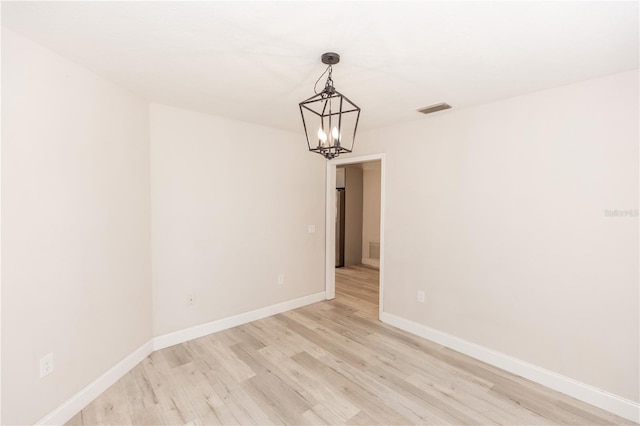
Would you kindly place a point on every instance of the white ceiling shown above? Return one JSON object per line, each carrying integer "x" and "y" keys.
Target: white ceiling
{"x": 255, "y": 60}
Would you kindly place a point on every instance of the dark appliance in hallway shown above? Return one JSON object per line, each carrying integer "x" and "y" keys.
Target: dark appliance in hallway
{"x": 340, "y": 197}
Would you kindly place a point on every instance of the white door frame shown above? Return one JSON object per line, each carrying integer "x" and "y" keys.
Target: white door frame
{"x": 330, "y": 223}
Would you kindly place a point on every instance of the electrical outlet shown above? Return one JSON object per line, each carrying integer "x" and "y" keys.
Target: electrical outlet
{"x": 191, "y": 299}
{"x": 280, "y": 279}
{"x": 46, "y": 365}
{"x": 420, "y": 296}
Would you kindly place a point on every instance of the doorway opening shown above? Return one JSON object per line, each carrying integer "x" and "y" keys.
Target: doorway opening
{"x": 355, "y": 231}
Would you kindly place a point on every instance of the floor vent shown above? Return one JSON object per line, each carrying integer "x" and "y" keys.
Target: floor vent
{"x": 434, "y": 108}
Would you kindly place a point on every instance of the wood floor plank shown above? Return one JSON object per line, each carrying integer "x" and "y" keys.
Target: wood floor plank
{"x": 274, "y": 390}
{"x": 363, "y": 419}
{"x": 228, "y": 359}
{"x": 332, "y": 405}
{"x": 362, "y": 397}
{"x": 332, "y": 363}
{"x": 232, "y": 397}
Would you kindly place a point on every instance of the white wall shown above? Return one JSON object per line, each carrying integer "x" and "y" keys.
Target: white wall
{"x": 231, "y": 203}
{"x": 497, "y": 213}
{"x": 370, "y": 206}
{"x": 75, "y": 238}
{"x": 0, "y": 237}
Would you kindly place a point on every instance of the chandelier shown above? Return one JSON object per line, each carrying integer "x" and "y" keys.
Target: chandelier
{"x": 329, "y": 118}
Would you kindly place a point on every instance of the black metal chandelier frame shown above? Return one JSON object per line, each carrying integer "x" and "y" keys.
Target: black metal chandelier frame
{"x": 323, "y": 106}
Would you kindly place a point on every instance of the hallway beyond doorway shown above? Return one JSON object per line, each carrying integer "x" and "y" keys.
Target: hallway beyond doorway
{"x": 357, "y": 287}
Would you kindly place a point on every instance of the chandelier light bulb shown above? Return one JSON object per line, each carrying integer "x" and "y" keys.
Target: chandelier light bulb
{"x": 335, "y": 134}
{"x": 322, "y": 136}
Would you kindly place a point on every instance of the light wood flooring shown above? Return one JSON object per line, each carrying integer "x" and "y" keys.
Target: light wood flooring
{"x": 328, "y": 363}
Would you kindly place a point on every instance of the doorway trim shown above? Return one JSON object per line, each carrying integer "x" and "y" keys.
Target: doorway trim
{"x": 330, "y": 223}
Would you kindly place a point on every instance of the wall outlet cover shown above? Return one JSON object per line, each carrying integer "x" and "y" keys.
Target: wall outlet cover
{"x": 46, "y": 365}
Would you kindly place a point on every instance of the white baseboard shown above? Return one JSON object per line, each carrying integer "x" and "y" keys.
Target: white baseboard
{"x": 197, "y": 331}
{"x": 607, "y": 401}
{"x": 73, "y": 405}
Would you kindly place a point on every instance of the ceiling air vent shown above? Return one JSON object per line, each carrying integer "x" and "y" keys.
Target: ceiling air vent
{"x": 434, "y": 108}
